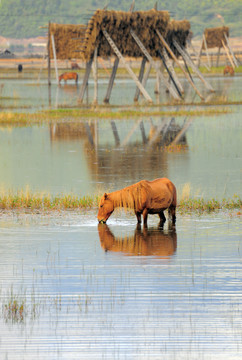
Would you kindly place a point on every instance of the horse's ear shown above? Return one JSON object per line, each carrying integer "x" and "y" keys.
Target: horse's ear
{"x": 105, "y": 196}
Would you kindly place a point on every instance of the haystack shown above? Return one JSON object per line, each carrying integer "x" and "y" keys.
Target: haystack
{"x": 179, "y": 31}
{"x": 118, "y": 24}
{"x": 214, "y": 36}
{"x": 66, "y": 43}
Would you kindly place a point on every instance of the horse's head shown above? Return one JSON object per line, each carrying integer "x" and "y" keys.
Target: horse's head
{"x": 106, "y": 208}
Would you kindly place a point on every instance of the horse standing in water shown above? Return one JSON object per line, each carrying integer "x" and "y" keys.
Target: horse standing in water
{"x": 229, "y": 70}
{"x": 145, "y": 197}
{"x": 68, "y": 76}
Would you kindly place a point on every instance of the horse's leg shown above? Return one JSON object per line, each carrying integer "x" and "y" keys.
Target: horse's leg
{"x": 145, "y": 217}
{"x": 138, "y": 215}
{"x": 172, "y": 214}
{"x": 162, "y": 219}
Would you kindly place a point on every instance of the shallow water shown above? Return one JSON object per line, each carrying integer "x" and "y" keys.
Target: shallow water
{"x": 96, "y": 156}
{"x": 26, "y": 92}
{"x": 117, "y": 292}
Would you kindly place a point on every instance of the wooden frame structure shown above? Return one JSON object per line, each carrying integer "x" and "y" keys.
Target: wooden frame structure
{"x": 217, "y": 38}
{"x": 149, "y": 35}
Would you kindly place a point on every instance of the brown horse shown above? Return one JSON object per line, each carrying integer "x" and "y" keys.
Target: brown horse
{"x": 68, "y": 76}
{"x": 145, "y": 197}
{"x": 229, "y": 70}
{"x": 74, "y": 66}
{"x": 144, "y": 242}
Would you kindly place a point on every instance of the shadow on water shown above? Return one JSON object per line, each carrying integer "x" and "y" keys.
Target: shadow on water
{"x": 144, "y": 242}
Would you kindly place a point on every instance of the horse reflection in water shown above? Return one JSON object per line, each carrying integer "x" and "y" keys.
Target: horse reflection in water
{"x": 144, "y": 242}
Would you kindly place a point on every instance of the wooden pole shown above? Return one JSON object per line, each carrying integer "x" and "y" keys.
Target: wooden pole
{"x": 49, "y": 64}
{"x": 126, "y": 65}
{"x": 178, "y": 63}
{"x": 95, "y": 76}
{"x": 85, "y": 79}
{"x": 172, "y": 71}
{"x": 186, "y": 56}
{"x": 199, "y": 55}
{"x": 169, "y": 73}
{"x": 162, "y": 78}
{"x": 206, "y": 48}
{"x": 144, "y": 81}
{"x": 218, "y": 56}
{"x": 228, "y": 55}
{"x": 111, "y": 80}
{"x": 55, "y": 59}
{"x": 231, "y": 51}
{"x": 140, "y": 78}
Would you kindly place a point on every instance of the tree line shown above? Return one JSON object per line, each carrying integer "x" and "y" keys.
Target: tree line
{"x": 24, "y": 18}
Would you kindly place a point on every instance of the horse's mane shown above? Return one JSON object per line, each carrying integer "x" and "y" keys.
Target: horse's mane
{"x": 130, "y": 196}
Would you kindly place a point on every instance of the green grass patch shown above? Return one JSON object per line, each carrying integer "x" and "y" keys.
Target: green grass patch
{"x": 27, "y": 200}
{"x": 24, "y": 119}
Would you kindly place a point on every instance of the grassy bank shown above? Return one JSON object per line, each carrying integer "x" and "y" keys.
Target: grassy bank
{"x": 29, "y": 201}
{"x": 11, "y": 118}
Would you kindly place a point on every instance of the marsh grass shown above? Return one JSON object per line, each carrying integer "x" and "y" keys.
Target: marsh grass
{"x": 49, "y": 116}
{"x": 26, "y": 200}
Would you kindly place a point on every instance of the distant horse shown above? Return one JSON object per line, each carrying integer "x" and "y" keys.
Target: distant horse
{"x": 74, "y": 66}
{"x": 68, "y": 76}
{"x": 145, "y": 197}
{"x": 228, "y": 70}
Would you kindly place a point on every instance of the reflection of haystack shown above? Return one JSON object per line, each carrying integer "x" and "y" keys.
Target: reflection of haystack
{"x": 118, "y": 24}
{"x": 179, "y": 31}
{"x": 215, "y": 36}
{"x": 166, "y": 136}
{"x": 66, "y": 43}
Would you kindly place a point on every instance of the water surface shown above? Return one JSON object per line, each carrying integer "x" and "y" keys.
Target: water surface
{"x": 119, "y": 292}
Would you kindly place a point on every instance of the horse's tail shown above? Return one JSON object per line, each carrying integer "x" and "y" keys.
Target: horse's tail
{"x": 76, "y": 78}
{"x": 60, "y": 78}
{"x": 172, "y": 189}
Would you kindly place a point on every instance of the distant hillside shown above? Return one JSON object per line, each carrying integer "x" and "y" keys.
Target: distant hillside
{"x": 23, "y": 18}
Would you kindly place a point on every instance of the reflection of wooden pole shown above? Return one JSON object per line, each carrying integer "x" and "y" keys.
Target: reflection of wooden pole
{"x": 140, "y": 78}
{"x": 126, "y": 65}
{"x": 49, "y": 69}
{"x": 228, "y": 55}
{"x": 111, "y": 80}
{"x": 85, "y": 79}
{"x": 89, "y": 134}
{"x": 142, "y": 129}
{"x": 126, "y": 140}
{"x": 186, "y": 56}
{"x": 115, "y": 133}
{"x": 182, "y": 132}
{"x": 178, "y": 63}
{"x": 55, "y": 59}
{"x": 95, "y": 76}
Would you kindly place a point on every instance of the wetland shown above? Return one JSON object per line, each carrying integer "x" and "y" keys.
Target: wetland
{"x": 72, "y": 288}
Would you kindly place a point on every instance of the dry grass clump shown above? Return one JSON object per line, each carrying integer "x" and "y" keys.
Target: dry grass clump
{"x": 118, "y": 24}
{"x": 214, "y": 36}
{"x": 179, "y": 31}
{"x": 66, "y": 43}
